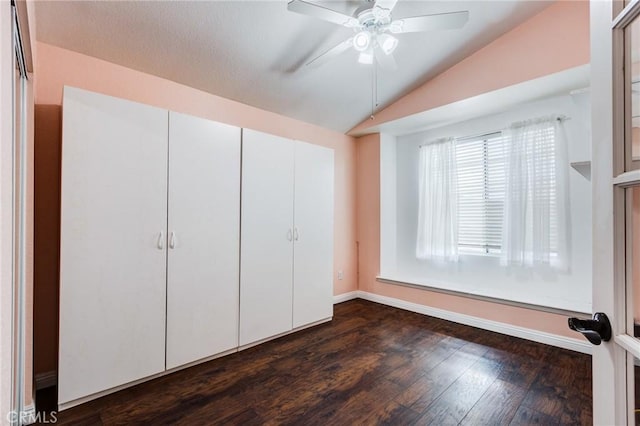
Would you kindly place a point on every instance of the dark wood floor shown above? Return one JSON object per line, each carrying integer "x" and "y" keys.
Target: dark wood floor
{"x": 371, "y": 365}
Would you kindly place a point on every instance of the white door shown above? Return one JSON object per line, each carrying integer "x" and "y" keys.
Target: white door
{"x": 313, "y": 234}
{"x": 113, "y": 243}
{"x": 266, "y": 259}
{"x": 615, "y": 86}
{"x": 203, "y": 239}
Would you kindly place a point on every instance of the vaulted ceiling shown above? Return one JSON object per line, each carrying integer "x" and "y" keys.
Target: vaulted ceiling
{"x": 254, "y": 51}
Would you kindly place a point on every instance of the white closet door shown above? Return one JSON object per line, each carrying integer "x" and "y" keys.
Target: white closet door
{"x": 313, "y": 234}
{"x": 266, "y": 236}
{"x": 204, "y": 238}
{"x": 113, "y": 242}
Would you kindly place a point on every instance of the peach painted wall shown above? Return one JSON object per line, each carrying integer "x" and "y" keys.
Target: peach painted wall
{"x": 368, "y": 210}
{"x": 56, "y": 67}
{"x": 554, "y": 40}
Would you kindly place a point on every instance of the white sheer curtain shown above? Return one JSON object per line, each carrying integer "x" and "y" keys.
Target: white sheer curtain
{"x": 438, "y": 201}
{"x": 535, "y": 227}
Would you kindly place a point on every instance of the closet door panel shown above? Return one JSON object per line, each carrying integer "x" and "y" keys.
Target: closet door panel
{"x": 204, "y": 224}
{"x": 113, "y": 258}
{"x": 266, "y": 236}
{"x": 313, "y": 247}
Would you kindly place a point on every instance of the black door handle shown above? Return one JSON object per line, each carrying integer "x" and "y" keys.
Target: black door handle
{"x": 595, "y": 330}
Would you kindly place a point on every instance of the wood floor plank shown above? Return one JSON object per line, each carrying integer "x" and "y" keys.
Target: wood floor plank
{"x": 529, "y": 416}
{"x": 409, "y": 371}
{"x": 559, "y": 403}
{"x": 391, "y": 414}
{"x": 521, "y": 373}
{"x": 562, "y": 388}
{"x": 454, "y": 404}
{"x": 373, "y": 364}
{"x": 431, "y": 385}
{"x": 248, "y": 417}
{"x": 360, "y": 404}
{"x": 218, "y": 410}
{"x": 497, "y": 406}
{"x": 313, "y": 387}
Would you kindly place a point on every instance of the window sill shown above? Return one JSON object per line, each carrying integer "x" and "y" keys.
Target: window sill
{"x": 478, "y": 254}
{"x": 531, "y": 306}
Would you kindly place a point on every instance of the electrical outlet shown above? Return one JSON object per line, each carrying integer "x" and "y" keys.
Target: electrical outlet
{"x": 340, "y": 274}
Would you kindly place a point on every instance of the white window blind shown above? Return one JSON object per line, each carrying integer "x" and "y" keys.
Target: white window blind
{"x": 481, "y": 188}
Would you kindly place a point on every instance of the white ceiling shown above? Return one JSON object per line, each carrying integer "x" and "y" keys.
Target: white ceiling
{"x": 253, "y": 51}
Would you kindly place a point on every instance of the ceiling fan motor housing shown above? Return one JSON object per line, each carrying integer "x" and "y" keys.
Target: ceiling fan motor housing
{"x": 373, "y": 23}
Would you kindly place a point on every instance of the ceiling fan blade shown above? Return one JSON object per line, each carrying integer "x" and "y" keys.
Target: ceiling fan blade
{"x": 331, "y": 53}
{"x": 317, "y": 11}
{"x": 441, "y": 21}
{"x": 385, "y": 6}
{"x": 385, "y": 61}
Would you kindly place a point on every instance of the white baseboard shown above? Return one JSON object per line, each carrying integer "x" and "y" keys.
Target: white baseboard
{"x": 46, "y": 379}
{"x": 339, "y": 298}
{"x": 499, "y": 327}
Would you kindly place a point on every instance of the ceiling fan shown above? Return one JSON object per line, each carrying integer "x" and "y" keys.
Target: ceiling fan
{"x": 374, "y": 29}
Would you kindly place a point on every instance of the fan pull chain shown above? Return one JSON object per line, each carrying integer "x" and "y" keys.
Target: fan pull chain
{"x": 374, "y": 88}
{"x": 372, "y": 91}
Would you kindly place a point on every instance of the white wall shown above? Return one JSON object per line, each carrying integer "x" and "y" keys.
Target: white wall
{"x": 477, "y": 274}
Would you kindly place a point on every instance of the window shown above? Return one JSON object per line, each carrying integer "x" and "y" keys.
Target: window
{"x": 503, "y": 193}
{"x": 481, "y": 190}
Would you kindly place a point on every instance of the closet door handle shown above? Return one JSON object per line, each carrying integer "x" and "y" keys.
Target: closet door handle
{"x": 289, "y": 235}
{"x": 160, "y": 243}
{"x": 172, "y": 240}
{"x": 295, "y": 234}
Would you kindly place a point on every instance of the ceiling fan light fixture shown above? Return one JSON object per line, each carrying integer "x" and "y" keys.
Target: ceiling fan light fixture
{"x": 366, "y": 57}
{"x": 361, "y": 41}
{"x": 388, "y": 43}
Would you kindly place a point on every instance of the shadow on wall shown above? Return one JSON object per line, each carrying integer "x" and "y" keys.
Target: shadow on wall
{"x": 46, "y": 251}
